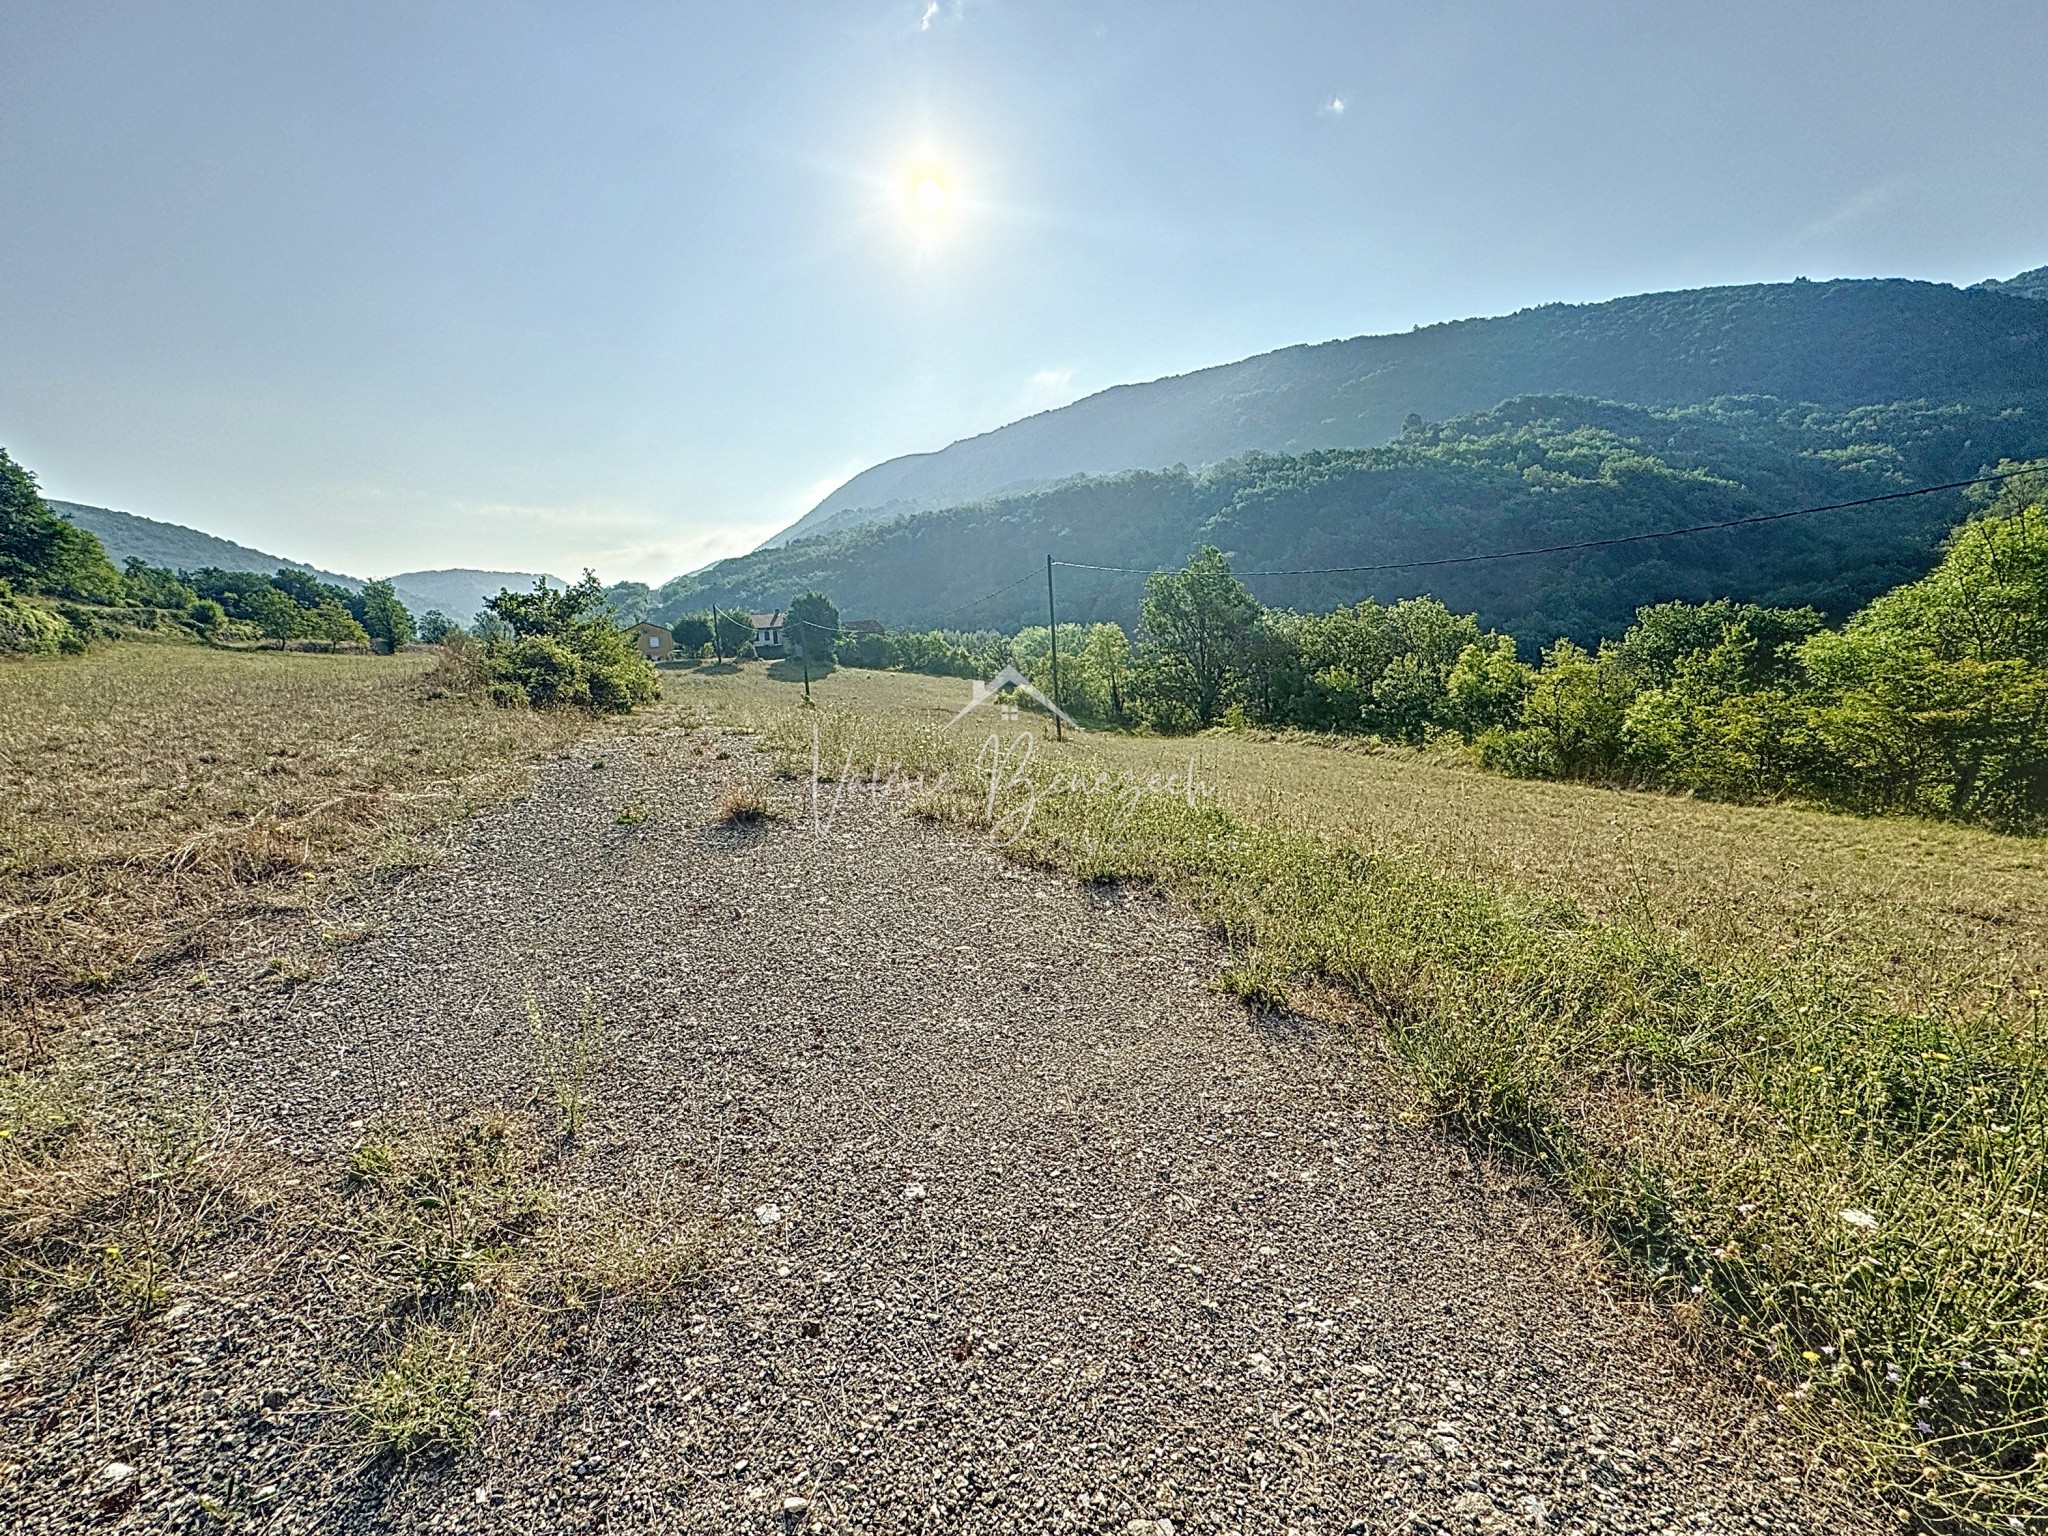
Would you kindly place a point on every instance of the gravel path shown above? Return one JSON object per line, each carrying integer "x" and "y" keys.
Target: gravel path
{"x": 1020, "y": 1227}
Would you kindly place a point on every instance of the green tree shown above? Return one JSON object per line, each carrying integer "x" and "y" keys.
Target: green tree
{"x": 42, "y": 552}
{"x": 1580, "y": 705}
{"x": 435, "y": 627}
{"x": 692, "y": 632}
{"x": 384, "y": 618}
{"x": 275, "y": 616}
{"x": 1106, "y": 653}
{"x": 1197, "y": 623}
{"x": 548, "y": 610}
{"x": 333, "y": 625}
{"x": 1486, "y": 688}
{"x": 568, "y": 651}
{"x": 812, "y": 623}
{"x": 731, "y": 632}
{"x": 1934, "y": 699}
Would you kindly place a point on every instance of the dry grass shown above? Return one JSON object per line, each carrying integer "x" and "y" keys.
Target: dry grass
{"x": 477, "y": 1259}
{"x": 743, "y": 806}
{"x": 151, "y": 798}
{"x": 103, "y": 1205}
{"x": 1924, "y": 916}
{"x": 149, "y": 794}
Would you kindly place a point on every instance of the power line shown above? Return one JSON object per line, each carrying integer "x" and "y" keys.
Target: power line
{"x": 1559, "y": 549}
{"x": 999, "y": 591}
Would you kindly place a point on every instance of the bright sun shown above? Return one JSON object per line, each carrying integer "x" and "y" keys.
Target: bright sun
{"x": 928, "y": 195}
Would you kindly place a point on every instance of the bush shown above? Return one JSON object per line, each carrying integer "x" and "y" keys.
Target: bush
{"x": 1521, "y": 754}
{"x": 567, "y": 654}
{"x": 31, "y": 629}
{"x": 541, "y": 672}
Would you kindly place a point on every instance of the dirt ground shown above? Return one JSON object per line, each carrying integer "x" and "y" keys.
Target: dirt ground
{"x": 1014, "y": 1223}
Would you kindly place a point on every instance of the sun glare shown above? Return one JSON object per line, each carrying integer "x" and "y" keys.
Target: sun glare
{"x": 928, "y": 195}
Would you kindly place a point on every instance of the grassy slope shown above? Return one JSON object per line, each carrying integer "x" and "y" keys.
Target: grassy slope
{"x": 1788, "y": 1062}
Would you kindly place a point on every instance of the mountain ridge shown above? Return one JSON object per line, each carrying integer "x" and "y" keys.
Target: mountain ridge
{"x": 1534, "y": 471}
{"x": 457, "y": 593}
{"x": 1886, "y": 339}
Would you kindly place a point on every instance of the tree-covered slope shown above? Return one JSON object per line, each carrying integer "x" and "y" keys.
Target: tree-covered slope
{"x": 1833, "y": 343}
{"x": 127, "y": 536}
{"x": 1535, "y": 470}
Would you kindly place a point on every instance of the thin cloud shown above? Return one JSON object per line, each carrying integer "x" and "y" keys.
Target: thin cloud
{"x": 1859, "y": 206}
{"x": 931, "y": 12}
{"x": 1334, "y": 107}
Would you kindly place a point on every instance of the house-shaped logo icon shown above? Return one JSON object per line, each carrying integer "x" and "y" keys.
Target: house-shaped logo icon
{"x": 1002, "y": 682}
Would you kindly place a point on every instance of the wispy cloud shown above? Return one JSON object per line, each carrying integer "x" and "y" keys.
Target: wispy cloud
{"x": 1334, "y": 107}
{"x": 931, "y": 14}
{"x": 1859, "y": 206}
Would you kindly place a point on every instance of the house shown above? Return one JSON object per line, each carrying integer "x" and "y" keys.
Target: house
{"x": 861, "y": 627}
{"x": 652, "y": 641}
{"x": 767, "y": 633}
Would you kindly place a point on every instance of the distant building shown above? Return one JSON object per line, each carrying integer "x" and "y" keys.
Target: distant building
{"x": 652, "y": 641}
{"x": 767, "y": 633}
{"x": 861, "y": 627}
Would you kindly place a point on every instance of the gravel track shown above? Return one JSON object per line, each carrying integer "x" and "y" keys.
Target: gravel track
{"x": 1019, "y": 1225}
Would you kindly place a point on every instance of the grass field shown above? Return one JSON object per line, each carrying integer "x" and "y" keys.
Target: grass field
{"x": 154, "y": 800}
{"x": 149, "y": 793}
{"x": 1788, "y": 1063}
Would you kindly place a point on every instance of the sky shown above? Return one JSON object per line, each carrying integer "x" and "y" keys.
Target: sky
{"x": 512, "y": 285}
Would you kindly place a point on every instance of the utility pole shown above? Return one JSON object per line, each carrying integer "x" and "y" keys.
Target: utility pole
{"x": 803, "y": 651}
{"x": 1052, "y": 619}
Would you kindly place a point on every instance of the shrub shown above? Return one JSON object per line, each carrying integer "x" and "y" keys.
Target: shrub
{"x": 30, "y": 628}
{"x": 1522, "y": 754}
{"x": 539, "y": 671}
{"x": 567, "y": 654}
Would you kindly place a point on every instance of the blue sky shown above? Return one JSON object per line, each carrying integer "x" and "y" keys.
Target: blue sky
{"x": 517, "y": 285}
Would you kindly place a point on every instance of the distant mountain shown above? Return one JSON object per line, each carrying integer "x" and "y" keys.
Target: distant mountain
{"x": 1835, "y": 344}
{"x": 2028, "y": 285}
{"x": 129, "y": 537}
{"x": 1534, "y": 471}
{"x": 458, "y": 594}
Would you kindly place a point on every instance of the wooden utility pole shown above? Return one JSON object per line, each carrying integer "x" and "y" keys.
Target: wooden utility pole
{"x": 1052, "y": 619}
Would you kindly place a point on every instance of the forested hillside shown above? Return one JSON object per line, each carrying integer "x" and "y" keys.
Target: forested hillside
{"x": 1533, "y": 471}
{"x": 1837, "y": 344}
{"x": 126, "y": 536}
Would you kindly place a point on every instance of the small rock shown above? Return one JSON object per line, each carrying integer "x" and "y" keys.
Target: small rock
{"x": 913, "y": 1191}
{"x": 794, "y": 1505}
{"x": 115, "y": 1473}
{"x": 768, "y": 1215}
